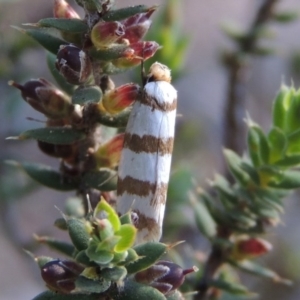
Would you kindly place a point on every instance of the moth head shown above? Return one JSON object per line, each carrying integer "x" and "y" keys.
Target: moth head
{"x": 159, "y": 72}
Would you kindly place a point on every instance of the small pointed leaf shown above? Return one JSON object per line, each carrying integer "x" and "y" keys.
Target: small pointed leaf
{"x": 127, "y": 233}
{"x": 149, "y": 253}
{"x": 86, "y": 94}
{"x": 47, "y": 176}
{"x": 126, "y": 12}
{"x": 67, "y": 25}
{"x": 84, "y": 285}
{"x": 54, "y": 135}
{"x": 103, "y": 179}
{"x": 48, "y": 295}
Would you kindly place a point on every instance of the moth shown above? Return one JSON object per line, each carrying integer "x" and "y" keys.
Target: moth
{"x": 145, "y": 163}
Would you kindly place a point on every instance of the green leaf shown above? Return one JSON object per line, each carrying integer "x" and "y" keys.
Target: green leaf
{"x": 126, "y": 12}
{"x": 101, "y": 257}
{"x": 258, "y": 145}
{"x": 278, "y": 143}
{"x": 48, "y": 295}
{"x": 85, "y": 94}
{"x": 133, "y": 291}
{"x": 53, "y": 135}
{"x": 287, "y": 180}
{"x": 127, "y": 232}
{"x": 58, "y": 245}
{"x": 285, "y": 16}
{"x": 117, "y": 121}
{"x": 293, "y": 112}
{"x": 149, "y": 253}
{"x": 78, "y": 233}
{"x": 114, "y": 52}
{"x": 45, "y": 37}
{"x": 288, "y": 161}
{"x": 104, "y": 180}
{"x": 106, "y": 211}
{"x": 233, "y": 31}
{"x": 234, "y": 164}
{"x": 67, "y": 25}
{"x": 281, "y": 106}
{"x": 231, "y": 287}
{"x": 47, "y": 176}
{"x": 294, "y": 142}
{"x": 63, "y": 84}
{"x": 84, "y": 285}
{"x": 251, "y": 171}
{"x": 114, "y": 274}
{"x": 256, "y": 269}
{"x": 205, "y": 223}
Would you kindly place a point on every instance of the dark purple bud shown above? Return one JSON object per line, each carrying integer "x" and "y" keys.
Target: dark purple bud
{"x": 165, "y": 276}
{"x": 45, "y": 98}
{"x": 60, "y": 275}
{"x": 74, "y": 64}
{"x": 59, "y": 151}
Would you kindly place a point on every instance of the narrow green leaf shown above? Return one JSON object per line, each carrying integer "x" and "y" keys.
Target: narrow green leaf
{"x": 234, "y": 164}
{"x": 114, "y": 274}
{"x": 47, "y": 176}
{"x": 112, "y": 53}
{"x": 86, "y": 94}
{"x": 133, "y": 291}
{"x": 149, "y": 253}
{"x": 294, "y": 142}
{"x": 251, "y": 171}
{"x": 63, "y": 84}
{"x": 205, "y": 223}
{"x": 288, "y": 161}
{"x": 231, "y": 287}
{"x": 84, "y": 285}
{"x": 293, "y": 112}
{"x": 256, "y": 269}
{"x": 45, "y": 37}
{"x": 78, "y": 233}
{"x": 126, "y": 12}
{"x": 287, "y": 180}
{"x": 127, "y": 232}
{"x": 104, "y": 209}
{"x": 67, "y": 25}
{"x": 54, "y": 135}
{"x": 104, "y": 179}
{"x": 58, "y": 245}
{"x": 285, "y": 16}
{"x": 280, "y": 107}
{"x": 278, "y": 143}
{"x": 233, "y": 31}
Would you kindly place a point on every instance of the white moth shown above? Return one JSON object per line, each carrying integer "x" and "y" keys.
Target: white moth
{"x": 145, "y": 162}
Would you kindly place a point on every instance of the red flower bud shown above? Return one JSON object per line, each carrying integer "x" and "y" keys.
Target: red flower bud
{"x": 74, "y": 64}
{"x": 60, "y": 275}
{"x": 250, "y": 247}
{"x": 165, "y": 276}
{"x": 139, "y": 51}
{"x": 108, "y": 155}
{"x": 116, "y": 100}
{"x": 45, "y": 98}
{"x": 104, "y": 34}
{"x": 62, "y": 9}
{"x": 137, "y": 26}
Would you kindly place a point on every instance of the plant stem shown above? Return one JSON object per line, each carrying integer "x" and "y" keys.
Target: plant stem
{"x": 234, "y": 132}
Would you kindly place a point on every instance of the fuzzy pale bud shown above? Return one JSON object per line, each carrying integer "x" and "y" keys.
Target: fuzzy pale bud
{"x": 64, "y": 10}
{"x": 116, "y": 100}
{"x": 74, "y": 64}
{"x": 104, "y": 34}
{"x": 45, "y": 98}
